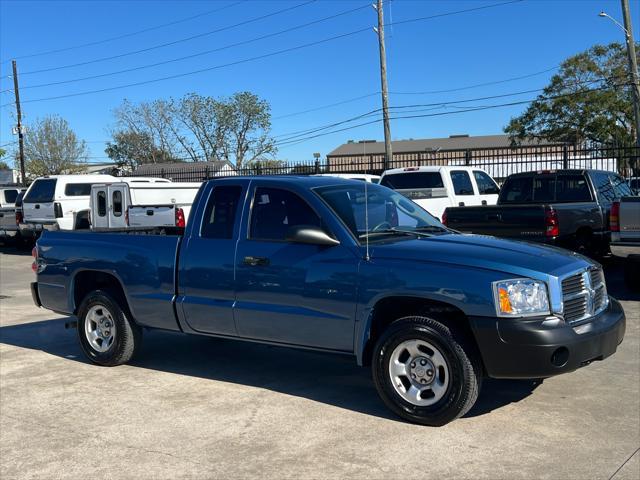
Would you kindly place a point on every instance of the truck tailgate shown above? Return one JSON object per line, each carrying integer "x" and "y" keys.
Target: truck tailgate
{"x": 510, "y": 221}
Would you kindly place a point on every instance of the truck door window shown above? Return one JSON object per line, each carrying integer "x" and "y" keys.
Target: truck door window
{"x": 620, "y": 186}
{"x": 102, "y": 203}
{"x": 117, "y": 203}
{"x": 220, "y": 214}
{"x": 603, "y": 186}
{"x": 275, "y": 211}
{"x": 461, "y": 182}
{"x": 486, "y": 185}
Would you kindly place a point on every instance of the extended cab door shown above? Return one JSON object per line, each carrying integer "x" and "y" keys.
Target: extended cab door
{"x": 117, "y": 197}
{"x": 487, "y": 188}
{"x": 287, "y": 292}
{"x": 99, "y": 217}
{"x": 206, "y": 284}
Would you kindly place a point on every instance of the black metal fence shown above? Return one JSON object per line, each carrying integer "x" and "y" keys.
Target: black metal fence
{"x": 499, "y": 162}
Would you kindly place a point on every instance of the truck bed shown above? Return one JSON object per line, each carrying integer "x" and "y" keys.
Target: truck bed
{"x": 144, "y": 265}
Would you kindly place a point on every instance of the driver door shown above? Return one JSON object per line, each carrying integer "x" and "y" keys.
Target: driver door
{"x": 287, "y": 292}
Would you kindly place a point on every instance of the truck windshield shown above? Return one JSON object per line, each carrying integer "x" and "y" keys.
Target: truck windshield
{"x": 41, "y": 191}
{"x": 388, "y": 212}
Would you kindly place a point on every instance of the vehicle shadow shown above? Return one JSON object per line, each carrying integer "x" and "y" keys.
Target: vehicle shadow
{"x": 326, "y": 378}
{"x": 12, "y": 249}
{"x": 614, "y": 275}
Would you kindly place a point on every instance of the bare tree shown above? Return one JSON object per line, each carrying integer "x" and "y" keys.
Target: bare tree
{"x": 52, "y": 148}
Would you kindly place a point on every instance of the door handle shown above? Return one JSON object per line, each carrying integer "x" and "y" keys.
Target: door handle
{"x": 255, "y": 261}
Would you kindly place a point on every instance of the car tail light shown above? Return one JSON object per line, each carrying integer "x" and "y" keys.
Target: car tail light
{"x": 57, "y": 210}
{"x": 180, "y": 222}
{"x": 19, "y": 218}
{"x": 614, "y": 217}
{"x": 34, "y": 265}
{"x": 551, "y": 223}
{"x": 444, "y": 218}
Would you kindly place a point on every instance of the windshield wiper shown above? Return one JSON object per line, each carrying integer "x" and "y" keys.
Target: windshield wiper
{"x": 390, "y": 231}
{"x": 431, "y": 228}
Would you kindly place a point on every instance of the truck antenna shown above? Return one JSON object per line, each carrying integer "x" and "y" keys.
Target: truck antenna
{"x": 367, "y": 257}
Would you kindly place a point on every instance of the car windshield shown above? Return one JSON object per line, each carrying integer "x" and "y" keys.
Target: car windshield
{"x": 387, "y": 212}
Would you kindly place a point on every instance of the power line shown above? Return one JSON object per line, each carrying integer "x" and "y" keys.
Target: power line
{"x": 174, "y": 42}
{"x": 126, "y": 35}
{"x": 322, "y": 107}
{"x": 259, "y": 57}
{"x": 164, "y": 62}
{"x": 473, "y": 109}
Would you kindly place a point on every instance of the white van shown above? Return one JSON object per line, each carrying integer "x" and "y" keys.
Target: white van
{"x": 131, "y": 203}
{"x": 435, "y": 188}
{"x": 8, "y": 225}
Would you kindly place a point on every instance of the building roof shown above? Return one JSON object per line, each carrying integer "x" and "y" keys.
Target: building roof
{"x": 181, "y": 167}
{"x": 454, "y": 142}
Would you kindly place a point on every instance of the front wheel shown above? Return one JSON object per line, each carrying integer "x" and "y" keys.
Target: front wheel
{"x": 423, "y": 373}
{"x": 107, "y": 336}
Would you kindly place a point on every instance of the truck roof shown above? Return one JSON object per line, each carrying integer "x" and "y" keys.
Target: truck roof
{"x": 309, "y": 181}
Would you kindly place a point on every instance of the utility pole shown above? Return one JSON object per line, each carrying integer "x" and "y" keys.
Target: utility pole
{"x": 388, "y": 151}
{"x": 23, "y": 180}
{"x": 633, "y": 66}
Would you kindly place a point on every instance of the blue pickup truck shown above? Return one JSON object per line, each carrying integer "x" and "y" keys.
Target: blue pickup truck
{"x": 339, "y": 266}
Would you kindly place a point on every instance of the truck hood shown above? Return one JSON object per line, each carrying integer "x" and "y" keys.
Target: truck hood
{"x": 509, "y": 256}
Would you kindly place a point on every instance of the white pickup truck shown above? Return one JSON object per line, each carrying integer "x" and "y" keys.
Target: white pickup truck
{"x": 624, "y": 220}
{"x": 8, "y": 226}
{"x": 435, "y": 188}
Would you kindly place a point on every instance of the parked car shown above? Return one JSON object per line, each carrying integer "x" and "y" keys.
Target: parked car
{"x": 282, "y": 260}
{"x": 127, "y": 203}
{"x": 8, "y": 227}
{"x": 568, "y": 208}
{"x": 61, "y": 202}
{"x": 436, "y": 188}
{"x": 353, "y": 176}
{"x": 625, "y": 237}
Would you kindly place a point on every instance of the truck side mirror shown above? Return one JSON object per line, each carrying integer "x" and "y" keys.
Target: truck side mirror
{"x": 311, "y": 235}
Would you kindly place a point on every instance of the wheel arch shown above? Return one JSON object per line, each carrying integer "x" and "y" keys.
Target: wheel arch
{"x": 86, "y": 281}
{"x": 387, "y": 310}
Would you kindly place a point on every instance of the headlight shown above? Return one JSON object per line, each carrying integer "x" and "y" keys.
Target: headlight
{"x": 521, "y": 298}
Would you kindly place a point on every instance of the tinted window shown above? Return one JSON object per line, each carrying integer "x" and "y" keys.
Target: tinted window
{"x": 603, "y": 186}
{"x": 400, "y": 181}
{"x": 544, "y": 187}
{"x": 620, "y": 187}
{"x": 486, "y": 185}
{"x": 220, "y": 214}
{"x": 275, "y": 211}
{"x": 635, "y": 183}
{"x": 41, "y": 191}
{"x": 572, "y": 188}
{"x": 117, "y": 203}
{"x": 517, "y": 190}
{"x": 102, "y": 203}
{"x": 77, "y": 189}
{"x": 461, "y": 182}
{"x": 10, "y": 196}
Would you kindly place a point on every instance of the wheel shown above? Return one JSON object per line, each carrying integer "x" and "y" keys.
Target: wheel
{"x": 423, "y": 373}
{"x": 107, "y": 336}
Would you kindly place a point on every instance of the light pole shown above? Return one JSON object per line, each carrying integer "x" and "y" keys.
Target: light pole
{"x": 633, "y": 64}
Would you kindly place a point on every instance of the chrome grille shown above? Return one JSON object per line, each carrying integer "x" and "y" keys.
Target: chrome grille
{"x": 583, "y": 295}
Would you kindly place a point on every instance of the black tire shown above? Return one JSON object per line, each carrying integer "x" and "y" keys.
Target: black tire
{"x": 465, "y": 372}
{"x": 126, "y": 340}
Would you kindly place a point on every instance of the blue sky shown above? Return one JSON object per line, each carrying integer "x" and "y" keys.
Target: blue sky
{"x": 442, "y": 53}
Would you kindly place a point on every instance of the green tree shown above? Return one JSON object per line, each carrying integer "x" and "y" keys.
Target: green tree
{"x": 3, "y": 165}
{"x": 129, "y": 149}
{"x": 263, "y": 166}
{"x": 593, "y": 101}
{"x": 51, "y": 147}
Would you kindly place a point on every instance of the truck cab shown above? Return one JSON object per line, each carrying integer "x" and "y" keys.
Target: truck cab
{"x": 435, "y": 188}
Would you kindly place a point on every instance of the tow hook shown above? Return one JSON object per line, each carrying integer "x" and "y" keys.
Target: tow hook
{"x": 71, "y": 324}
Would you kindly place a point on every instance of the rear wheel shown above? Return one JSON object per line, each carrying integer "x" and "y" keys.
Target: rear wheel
{"x": 107, "y": 336}
{"x": 423, "y": 373}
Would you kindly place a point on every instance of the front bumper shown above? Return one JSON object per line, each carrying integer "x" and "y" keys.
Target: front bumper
{"x": 529, "y": 348}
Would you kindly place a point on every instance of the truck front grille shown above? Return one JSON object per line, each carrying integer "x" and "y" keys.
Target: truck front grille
{"x": 583, "y": 295}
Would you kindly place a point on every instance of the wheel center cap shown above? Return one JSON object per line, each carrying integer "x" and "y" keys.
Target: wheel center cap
{"x": 423, "y": 370}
